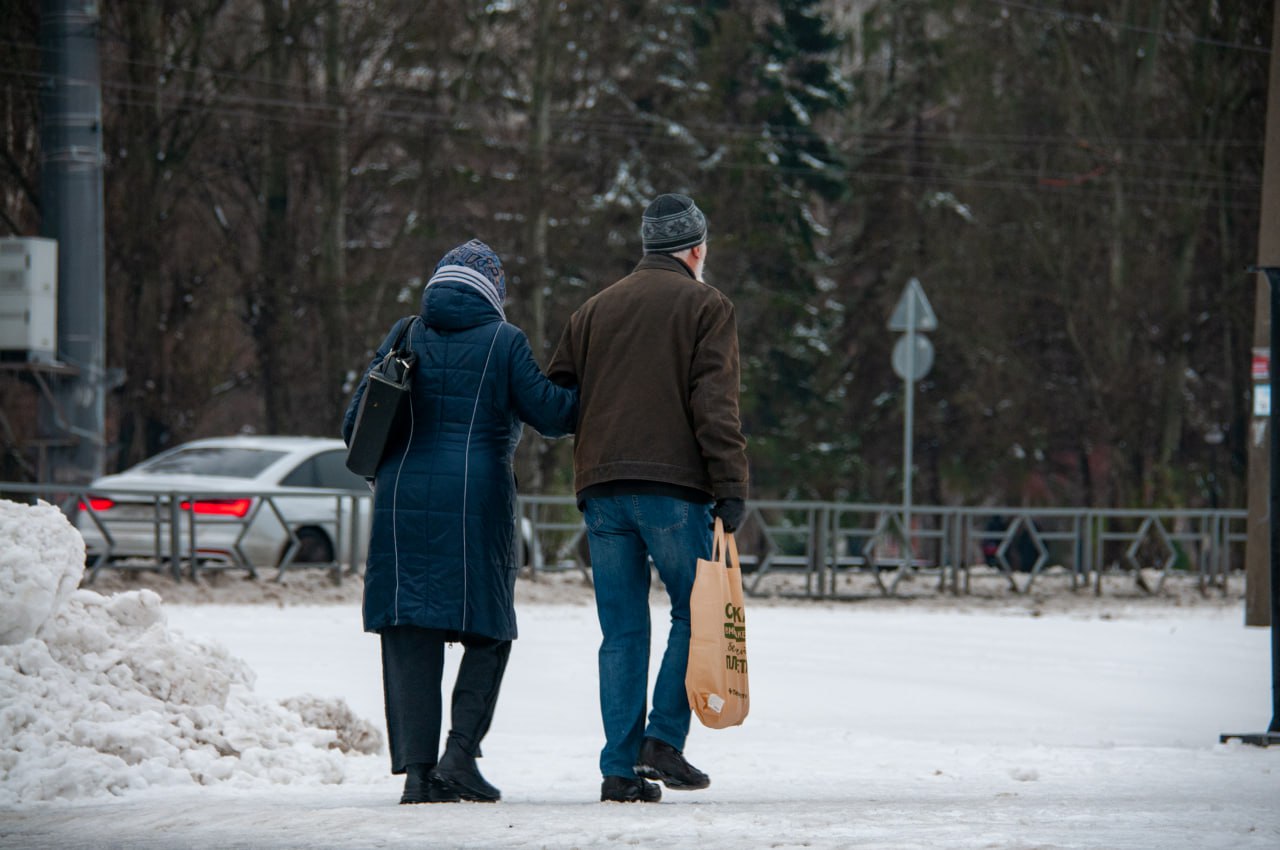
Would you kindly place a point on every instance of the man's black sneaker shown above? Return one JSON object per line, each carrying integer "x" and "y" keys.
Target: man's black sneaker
{"x": 420, "y": 787}
{"x": 628, "y": 789}
{"x": 660, "y": 760}
{"x": 457, "y": 772}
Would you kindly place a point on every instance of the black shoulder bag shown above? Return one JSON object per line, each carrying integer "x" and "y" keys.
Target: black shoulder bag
{"x": 384, "y": 406}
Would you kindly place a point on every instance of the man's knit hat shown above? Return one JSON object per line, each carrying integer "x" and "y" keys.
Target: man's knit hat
{"x": 478, "y": 257}
{"x": 672, "y": 223}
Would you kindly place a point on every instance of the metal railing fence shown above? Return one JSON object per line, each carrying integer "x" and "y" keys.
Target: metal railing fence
{"x": 806, "y": 548}
{"x": 809, "y": 549}
{"x": 162, "y": 530}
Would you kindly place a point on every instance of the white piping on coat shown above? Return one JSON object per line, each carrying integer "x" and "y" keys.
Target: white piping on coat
{"x": 466, "y": 472}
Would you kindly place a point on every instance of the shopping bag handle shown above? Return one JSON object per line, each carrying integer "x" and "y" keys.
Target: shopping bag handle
{"x": 721, "y": 540}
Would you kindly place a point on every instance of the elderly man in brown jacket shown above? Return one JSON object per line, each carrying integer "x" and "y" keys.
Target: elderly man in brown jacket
{"x": 659, "y": 452}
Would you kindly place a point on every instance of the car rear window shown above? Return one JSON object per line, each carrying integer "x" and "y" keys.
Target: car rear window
{"x": 222, "y": 461}
{"x": 327, "y": 470}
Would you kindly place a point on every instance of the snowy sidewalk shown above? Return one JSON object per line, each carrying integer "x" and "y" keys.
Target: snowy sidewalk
{"x": 884, "y": 728}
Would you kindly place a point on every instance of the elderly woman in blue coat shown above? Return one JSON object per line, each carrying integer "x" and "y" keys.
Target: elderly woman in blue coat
{"x": 442, "y": 560}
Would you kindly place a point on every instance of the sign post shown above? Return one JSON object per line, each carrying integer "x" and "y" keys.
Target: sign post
{"x": 912, "y": 360}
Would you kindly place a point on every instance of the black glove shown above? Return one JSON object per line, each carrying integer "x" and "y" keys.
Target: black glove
{"x": 731, "y": 512}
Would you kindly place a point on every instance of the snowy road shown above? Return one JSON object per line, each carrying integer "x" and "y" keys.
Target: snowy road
{"x": 884, "y": 728}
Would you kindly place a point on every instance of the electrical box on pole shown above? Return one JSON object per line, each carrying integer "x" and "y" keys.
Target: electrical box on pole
{"x": 29, "y": 299}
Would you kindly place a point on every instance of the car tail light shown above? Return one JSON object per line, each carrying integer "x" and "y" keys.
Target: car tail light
{"x": 98, "y": 503}
{"x": 219, "y": 507}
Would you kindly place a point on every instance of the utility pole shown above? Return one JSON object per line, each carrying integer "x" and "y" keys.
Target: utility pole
{"x": 1262, "y": 552}
{"x": 71, "y": 205}
{"x": 1272, "y": 735}
{"x": 1257, "y": 601}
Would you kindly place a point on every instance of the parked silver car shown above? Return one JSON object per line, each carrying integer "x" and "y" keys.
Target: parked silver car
{"x": 255, "y": 502}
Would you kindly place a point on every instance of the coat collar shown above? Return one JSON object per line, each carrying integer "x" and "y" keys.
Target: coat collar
{"x": 666, "y": 262}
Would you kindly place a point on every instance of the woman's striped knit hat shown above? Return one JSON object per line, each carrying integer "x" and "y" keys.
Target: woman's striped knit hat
{"x": 477, "y": 264}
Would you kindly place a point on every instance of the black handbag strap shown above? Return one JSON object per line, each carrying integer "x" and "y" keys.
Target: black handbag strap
{"x": 399, "y": 343}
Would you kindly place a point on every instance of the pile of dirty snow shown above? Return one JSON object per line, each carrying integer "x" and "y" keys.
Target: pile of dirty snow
{"x": 98, "y": 696}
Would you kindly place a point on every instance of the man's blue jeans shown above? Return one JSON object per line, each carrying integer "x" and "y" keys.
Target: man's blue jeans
{"x": 623, "y": 533}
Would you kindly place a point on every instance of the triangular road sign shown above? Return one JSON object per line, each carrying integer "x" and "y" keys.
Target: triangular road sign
{"x": 913, "y": 301}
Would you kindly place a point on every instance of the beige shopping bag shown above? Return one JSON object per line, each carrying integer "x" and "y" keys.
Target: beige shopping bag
{"x": 716, "y": 680}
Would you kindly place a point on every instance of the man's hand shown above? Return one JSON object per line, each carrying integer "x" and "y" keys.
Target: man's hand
{"x": 731, "y": 512}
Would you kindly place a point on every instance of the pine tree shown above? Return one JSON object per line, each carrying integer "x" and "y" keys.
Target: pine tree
{"x": 770, "y": 75}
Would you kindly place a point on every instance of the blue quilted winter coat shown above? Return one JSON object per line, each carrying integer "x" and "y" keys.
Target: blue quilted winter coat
{"x": 442, "y": 551}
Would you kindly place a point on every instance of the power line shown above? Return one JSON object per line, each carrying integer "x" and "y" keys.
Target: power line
{"x": 944, "y": 178}
{"x": 612, "y": 123}
{"x": 945, "y": 140}
{"x": 1208, "y": 179}
{"x": 323, "y": 115}
{"x": 315, "y": 116}
{"x": 284, "y": 85}
{"x": 1098, "y": 20}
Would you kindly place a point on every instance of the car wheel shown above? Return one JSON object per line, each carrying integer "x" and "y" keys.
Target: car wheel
{"x": 313, "y": 547}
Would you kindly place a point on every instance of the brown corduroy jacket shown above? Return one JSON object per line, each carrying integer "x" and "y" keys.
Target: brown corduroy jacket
{"x": 655, "y": 356}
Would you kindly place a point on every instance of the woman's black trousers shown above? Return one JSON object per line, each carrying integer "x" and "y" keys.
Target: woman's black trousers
{"x": 412, "y": 670}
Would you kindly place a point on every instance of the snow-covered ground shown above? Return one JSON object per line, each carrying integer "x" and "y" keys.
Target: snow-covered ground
{"x": 886, "y": 726}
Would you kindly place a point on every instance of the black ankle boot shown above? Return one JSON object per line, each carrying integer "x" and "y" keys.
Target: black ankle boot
{"x": 458, "y": 773}
{"x": 628, "y": 789}
{"x": 660, "y": 760}
{"x": 421, "y": 787}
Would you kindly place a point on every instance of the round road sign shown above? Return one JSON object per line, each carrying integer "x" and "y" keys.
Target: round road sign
{"x": 920, "y": 364}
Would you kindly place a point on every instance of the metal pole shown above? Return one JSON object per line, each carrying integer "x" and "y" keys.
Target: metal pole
{"x": 71, "y": 207}
{"x": 907, "y": 430}
{"x": 175, "y": 535}
{"x": 1273, "y": 504}
{"x": 356, "y": 508}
